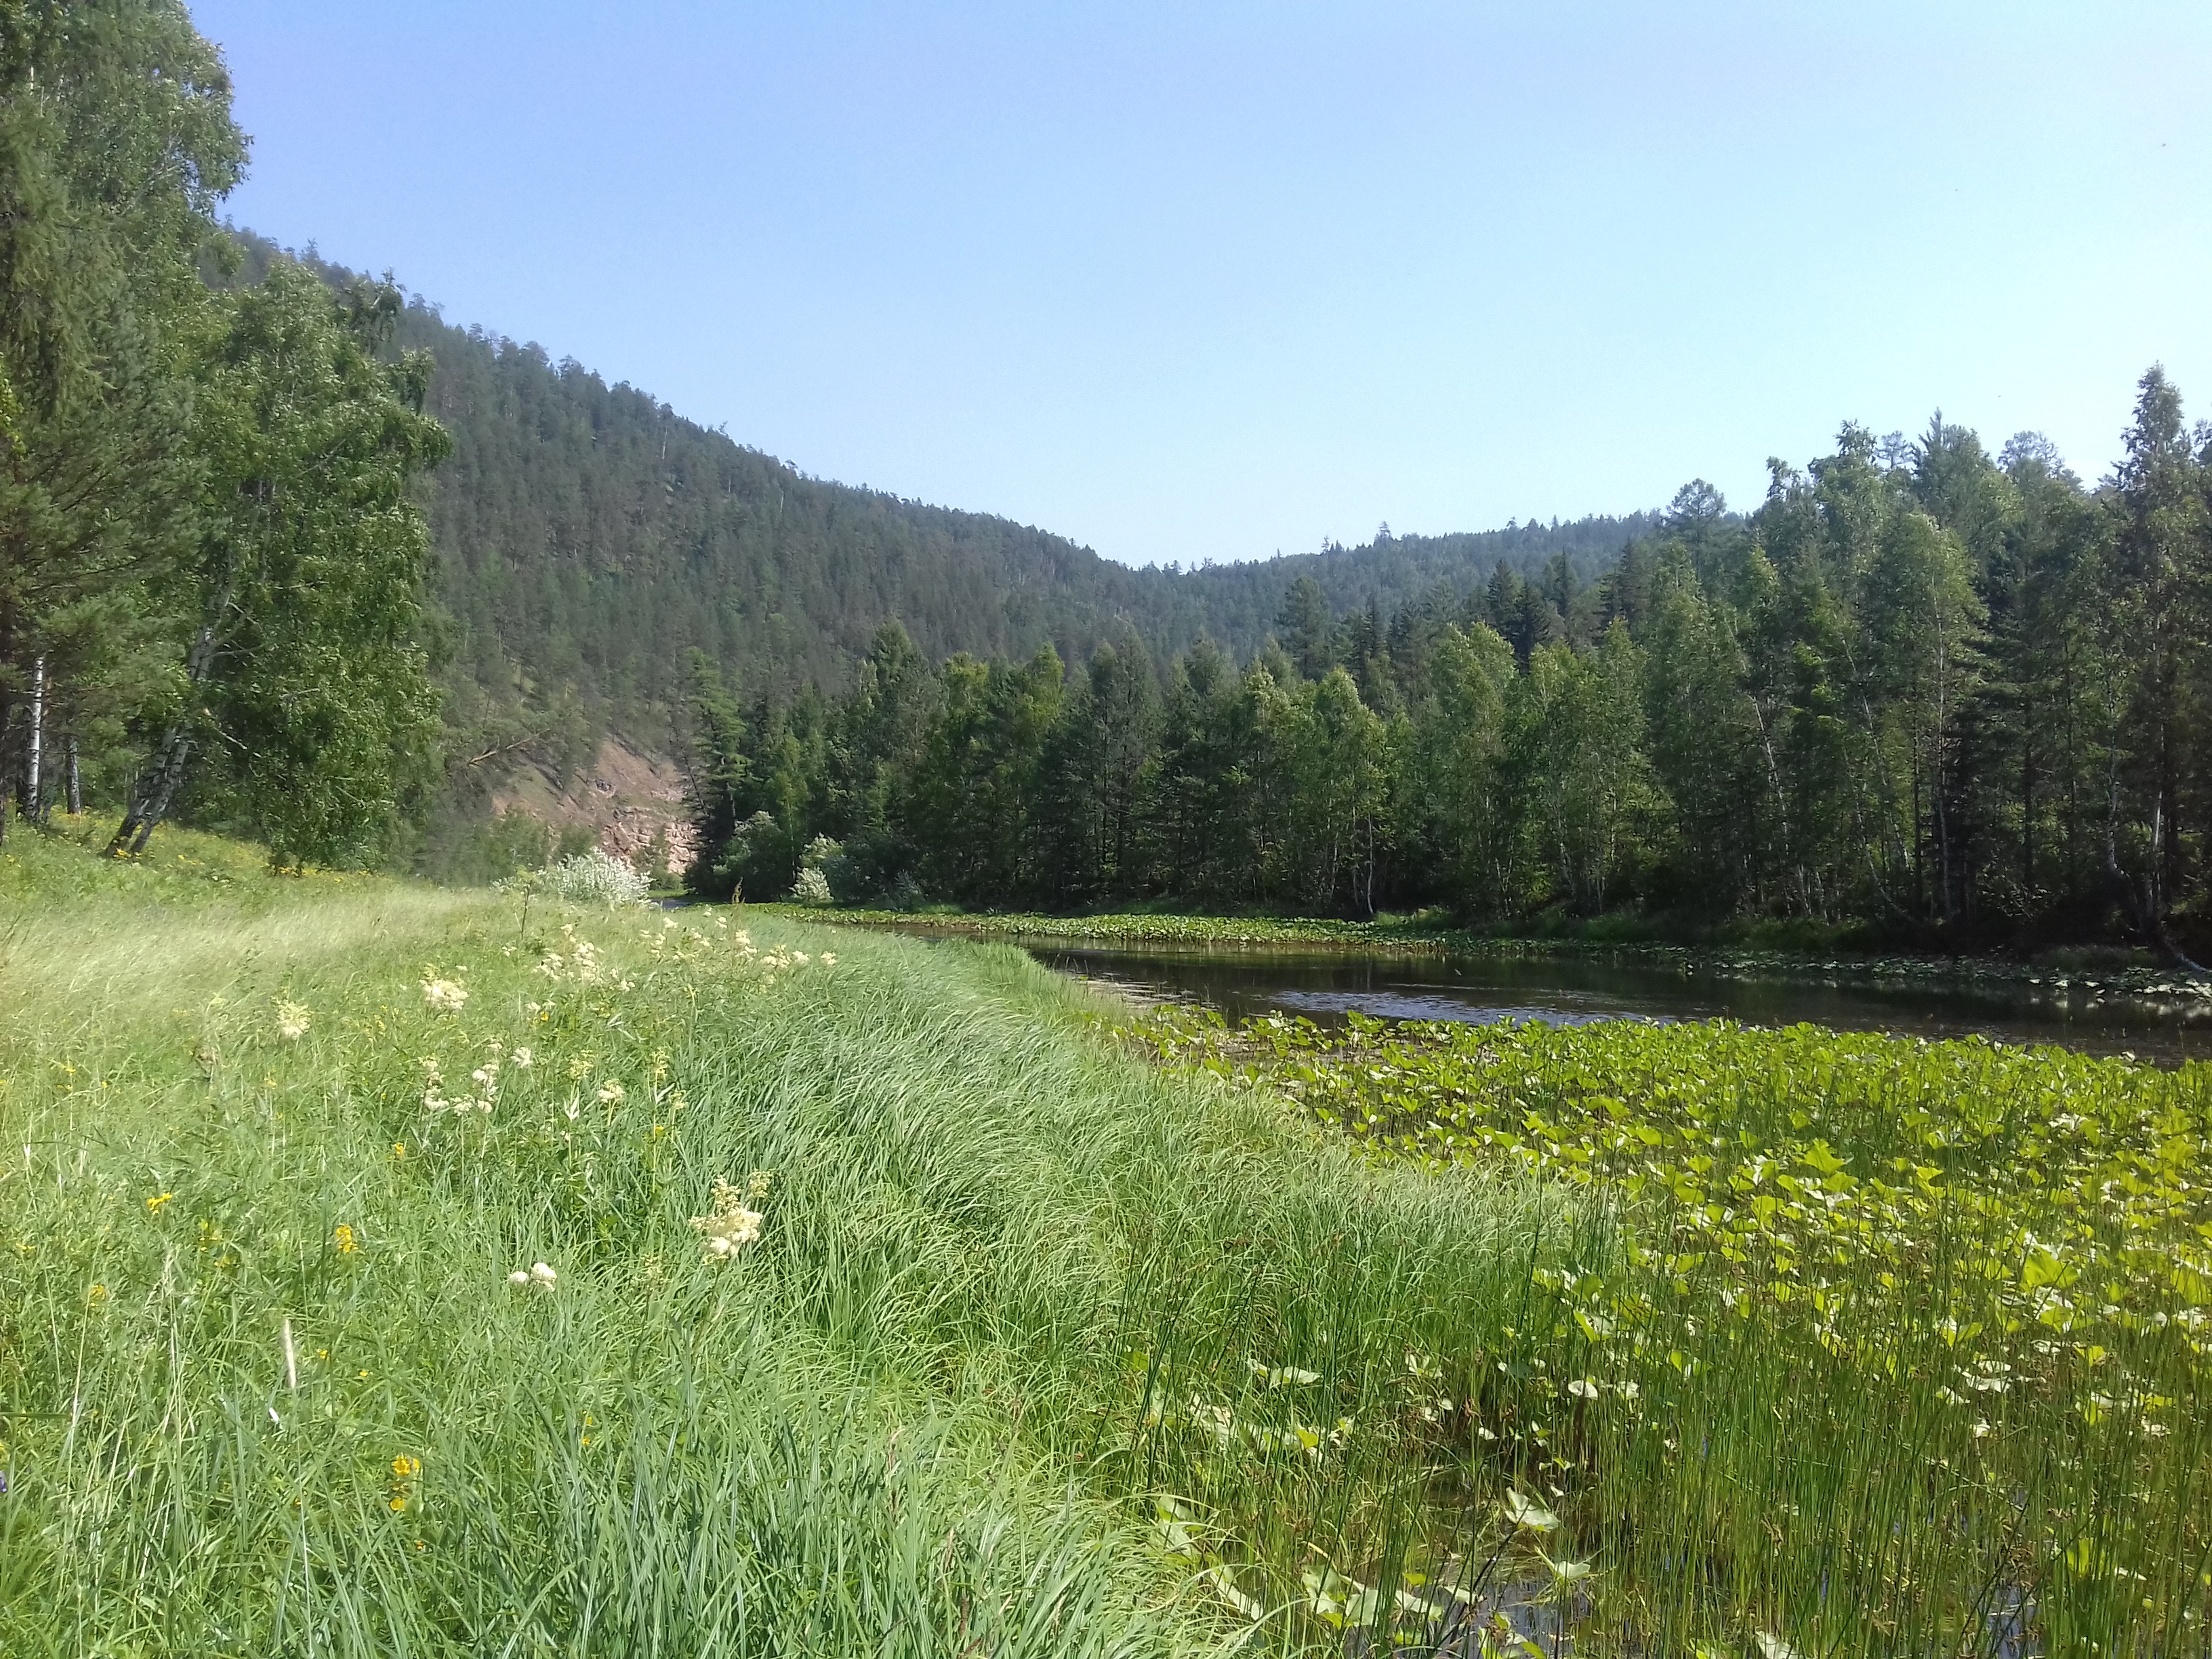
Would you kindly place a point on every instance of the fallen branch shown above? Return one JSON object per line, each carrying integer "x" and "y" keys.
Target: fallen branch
{"x": 489, "y": 754}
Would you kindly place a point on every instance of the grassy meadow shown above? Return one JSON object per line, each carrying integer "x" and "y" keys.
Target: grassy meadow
{"x": 276, "y": 1147}
{"x": 392, "y": 1270}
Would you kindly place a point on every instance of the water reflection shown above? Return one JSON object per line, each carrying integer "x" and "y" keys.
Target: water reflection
{"x": 1568, "y": 992}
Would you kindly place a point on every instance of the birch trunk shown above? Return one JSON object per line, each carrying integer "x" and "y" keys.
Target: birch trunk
{"x": 34, "y": 744}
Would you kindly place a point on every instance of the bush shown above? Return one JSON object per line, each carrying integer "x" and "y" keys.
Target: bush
{"x": 758, "y": 858}
{"x": 594, "y": 878}
{"x": 813, "y": 887}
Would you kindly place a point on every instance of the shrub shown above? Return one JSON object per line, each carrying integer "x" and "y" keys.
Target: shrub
{"x": 813, "y": 887}
{"x": 594, "y": 878}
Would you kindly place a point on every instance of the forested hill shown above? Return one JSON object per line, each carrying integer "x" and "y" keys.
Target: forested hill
{"x": 588, "y": 536}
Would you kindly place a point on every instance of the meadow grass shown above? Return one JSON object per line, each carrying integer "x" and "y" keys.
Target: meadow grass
{"x": 1019, "y": 1364}
{"x": 1907, "y": 1351}
{"x": 1618, "y": 1340}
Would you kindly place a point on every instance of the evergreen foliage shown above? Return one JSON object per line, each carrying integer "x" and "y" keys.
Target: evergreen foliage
{"x": 1956, "y": 697}
{"x": 1947, "y": 693}
{"x": 590, "y": 540}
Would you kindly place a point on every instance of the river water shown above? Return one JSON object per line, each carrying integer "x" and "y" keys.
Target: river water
{"x": 1567, "y": 991}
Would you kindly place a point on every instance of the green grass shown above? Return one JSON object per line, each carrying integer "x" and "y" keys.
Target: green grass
{"x": 267, "y": 1388}
{"x": 1047, "y": 1346}
{"x": 1910, "y": 1347}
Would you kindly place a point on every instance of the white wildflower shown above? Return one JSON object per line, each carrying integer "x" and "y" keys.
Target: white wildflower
{"x": 594, "y": 878}
{"x": 446, "y": 995}
{"x": 520, "y": 1058}
{"x": 731, "y": 1225}
{"x": 293, "y": 1020}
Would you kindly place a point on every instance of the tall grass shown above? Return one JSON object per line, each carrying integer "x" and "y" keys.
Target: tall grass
{"x": 1907, "y": 1351}
{"x": 272, "y": 1151}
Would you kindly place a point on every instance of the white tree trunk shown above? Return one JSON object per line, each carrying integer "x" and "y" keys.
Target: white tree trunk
{"x": 34, "y": 753}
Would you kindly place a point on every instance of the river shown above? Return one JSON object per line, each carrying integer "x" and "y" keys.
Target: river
{"x": 1568, "y": 991}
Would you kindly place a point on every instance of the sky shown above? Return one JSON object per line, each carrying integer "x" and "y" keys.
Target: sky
{"x": 1208, "y": 281}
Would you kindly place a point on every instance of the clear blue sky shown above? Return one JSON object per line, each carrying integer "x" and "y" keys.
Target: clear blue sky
{"x": 1189, "y": 281}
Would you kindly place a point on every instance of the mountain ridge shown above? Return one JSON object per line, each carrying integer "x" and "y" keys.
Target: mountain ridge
{"x": 589, "y": 537}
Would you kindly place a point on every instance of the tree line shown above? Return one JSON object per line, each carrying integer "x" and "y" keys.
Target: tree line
{"x": 586, "y": 538}
{"x": 232, "y": 588}
{"x": 1948, "y": 694}
{"x": 211, "y": 556}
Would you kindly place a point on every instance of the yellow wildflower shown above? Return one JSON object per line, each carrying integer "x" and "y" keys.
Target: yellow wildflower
{"x": 404, "y": 1471}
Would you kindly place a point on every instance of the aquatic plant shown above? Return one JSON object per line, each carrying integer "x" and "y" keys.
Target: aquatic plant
{"x": 1903, "y": 1337}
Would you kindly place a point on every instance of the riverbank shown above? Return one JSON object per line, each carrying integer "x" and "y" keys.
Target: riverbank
{"x": 1416, "y": 937}
{"x": 384, "y": 1268}
{"x": 1937, "y": 1317}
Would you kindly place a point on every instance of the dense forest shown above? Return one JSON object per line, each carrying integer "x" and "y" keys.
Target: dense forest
{"x": 282, "y": 552}
{"x": 587, "y": 538}
{"x": 1953, "y": 695}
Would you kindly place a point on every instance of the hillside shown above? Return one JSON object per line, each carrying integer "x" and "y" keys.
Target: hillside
{"x": 589, "y": 537}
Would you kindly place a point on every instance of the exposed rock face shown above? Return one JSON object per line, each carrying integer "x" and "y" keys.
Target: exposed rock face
{"x": 629, "y": 799}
